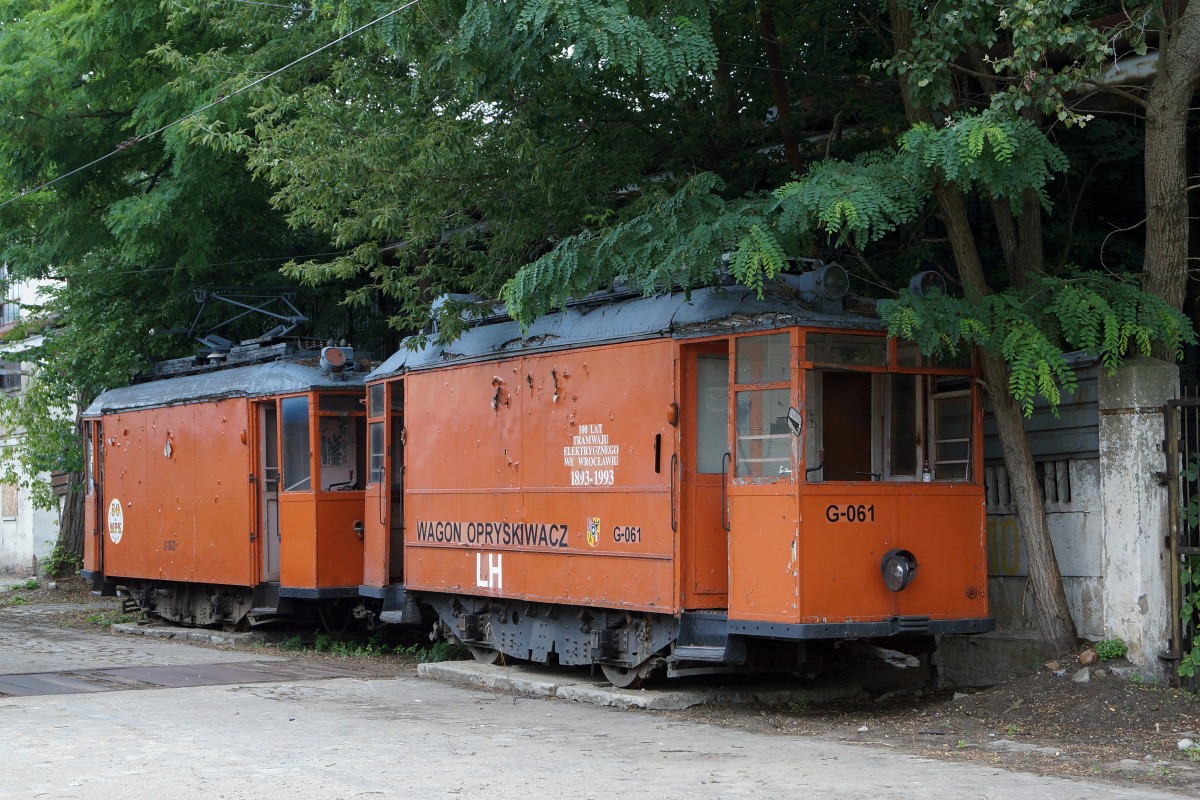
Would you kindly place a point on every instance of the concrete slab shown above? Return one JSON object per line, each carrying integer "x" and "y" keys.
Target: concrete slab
{"x": 196, "y": 635}
{"x": 29, "y": 647}
{"x": 575, "y": 685}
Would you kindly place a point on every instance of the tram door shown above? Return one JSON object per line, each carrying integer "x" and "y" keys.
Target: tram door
{"x": 763, "y": 505}
{"x": 704, "y": 445}
{"x": 384, "y": 522}
{"x": 395, "y": 435}
{"x": 268, "y": 487}
{"x": 94, "y": 514}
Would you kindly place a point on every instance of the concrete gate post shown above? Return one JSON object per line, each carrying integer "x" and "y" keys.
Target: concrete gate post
{"x": 1135, "y": 568}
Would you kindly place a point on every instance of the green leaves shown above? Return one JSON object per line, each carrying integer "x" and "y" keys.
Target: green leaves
{"x": 1032, "y": 329}
{"x": 862, "y": 200}
{"x": 1009, "y": 48}
{"x": 988, "y": 152}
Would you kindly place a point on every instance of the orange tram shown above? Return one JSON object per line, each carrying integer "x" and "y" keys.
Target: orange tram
{"x": 694, "y": 482}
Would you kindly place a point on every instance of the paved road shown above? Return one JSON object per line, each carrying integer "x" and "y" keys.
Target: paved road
{"x": 412, "y": 738}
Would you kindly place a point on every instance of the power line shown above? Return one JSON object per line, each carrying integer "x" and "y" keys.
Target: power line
{"x": 220, "y": 99}
{"x": 144, "y": 270}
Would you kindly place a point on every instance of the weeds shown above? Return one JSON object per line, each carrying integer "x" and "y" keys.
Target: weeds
{"x": 29, "y": 585}
{"x": 293, "y": 642}
{"x": 375, "y": 647}
{"x": 60, "y": 563}
{"x": 17, "y": 600}
{"x": 106, "y": 619}
{"x": 1109, "y": 649}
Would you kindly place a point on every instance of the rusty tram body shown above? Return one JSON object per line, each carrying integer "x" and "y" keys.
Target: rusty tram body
{"x": 698, "y": 481}
{"x": 233, "y": 493}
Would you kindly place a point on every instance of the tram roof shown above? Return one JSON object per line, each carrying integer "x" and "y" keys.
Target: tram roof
{"x": 603, "y": 320}
{"x": 255, "y": 380}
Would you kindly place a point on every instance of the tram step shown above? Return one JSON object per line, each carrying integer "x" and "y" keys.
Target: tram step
{"x": 129, "y": 605}
{"x": 698, "y": 653}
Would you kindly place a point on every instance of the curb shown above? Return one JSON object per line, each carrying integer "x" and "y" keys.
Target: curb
{"x": 535, "y": 682}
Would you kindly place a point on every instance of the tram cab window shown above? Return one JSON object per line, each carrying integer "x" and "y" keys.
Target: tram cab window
{"x": 341, "y": 431}
{"x": 297, "y": 470}
{"x": 863, "y": 426}
{"x": 342, "y": 456}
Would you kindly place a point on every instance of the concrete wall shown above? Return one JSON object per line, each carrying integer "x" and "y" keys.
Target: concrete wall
{"x": 1076, "y": 529}
{"x": 27, "y": 534}
{"x": 1107, "y": 516}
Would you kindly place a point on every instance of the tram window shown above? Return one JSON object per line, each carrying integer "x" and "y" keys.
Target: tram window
{"x": 862, "y": 427}
{"x": 847, "y": 349}
{"x": 297, "y": 469}
{"x": 89, "y": 464}
{"x": 764, "y": 359}
{"x": 377, "y": 453}
{"x": 712, "y": 412}
{"x": 342, "y": 403}
{"x": 764, "y": 444}
{"x": 375, "y": 400}
{"x": 909, "y": 355}
{"x": 951, "y": 436}
{"x": 341, "y": 459}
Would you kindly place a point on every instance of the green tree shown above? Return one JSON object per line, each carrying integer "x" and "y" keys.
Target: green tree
{"x": 127, "y": 239}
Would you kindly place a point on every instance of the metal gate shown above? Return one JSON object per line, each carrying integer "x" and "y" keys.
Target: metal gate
{"x": 1182, "y": 426}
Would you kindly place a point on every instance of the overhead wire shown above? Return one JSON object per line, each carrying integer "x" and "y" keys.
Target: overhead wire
{"x": 220, "y": 99}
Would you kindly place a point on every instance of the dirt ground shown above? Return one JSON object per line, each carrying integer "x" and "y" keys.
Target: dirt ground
{"x": 1109, "y": 728}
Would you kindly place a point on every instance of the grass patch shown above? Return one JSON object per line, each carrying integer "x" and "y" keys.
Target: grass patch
{"x": 17, "y": 600}
{"x": 28, "y": 585}
{"x": 106, "y": 619}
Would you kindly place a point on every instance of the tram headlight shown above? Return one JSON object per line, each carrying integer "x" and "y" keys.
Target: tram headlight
{"x": 826, "y": 283}
{"x": 898, "y": 567}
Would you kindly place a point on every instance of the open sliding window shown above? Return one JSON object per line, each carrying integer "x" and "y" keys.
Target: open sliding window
{"x": 879, "y": 410}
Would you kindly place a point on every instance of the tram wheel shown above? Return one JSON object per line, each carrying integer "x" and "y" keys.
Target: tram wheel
{"x": 627, "y": 677}
{"x": 487, "y": 655}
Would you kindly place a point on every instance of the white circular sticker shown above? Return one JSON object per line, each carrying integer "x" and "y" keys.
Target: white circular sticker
{"x": 116, "y": 521}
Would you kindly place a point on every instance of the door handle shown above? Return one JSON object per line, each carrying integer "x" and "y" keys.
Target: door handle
{"x": 725, "y": 459}
{"x": 674, "y": 504}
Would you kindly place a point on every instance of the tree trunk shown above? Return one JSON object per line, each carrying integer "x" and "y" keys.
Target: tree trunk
{"x": 779, "y": 85}
{"x": 1167, "y": 224}
{"x": 1050, "y": 599}
{"x": 1054, "y": 616}
{"x": 70, "y": 529}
